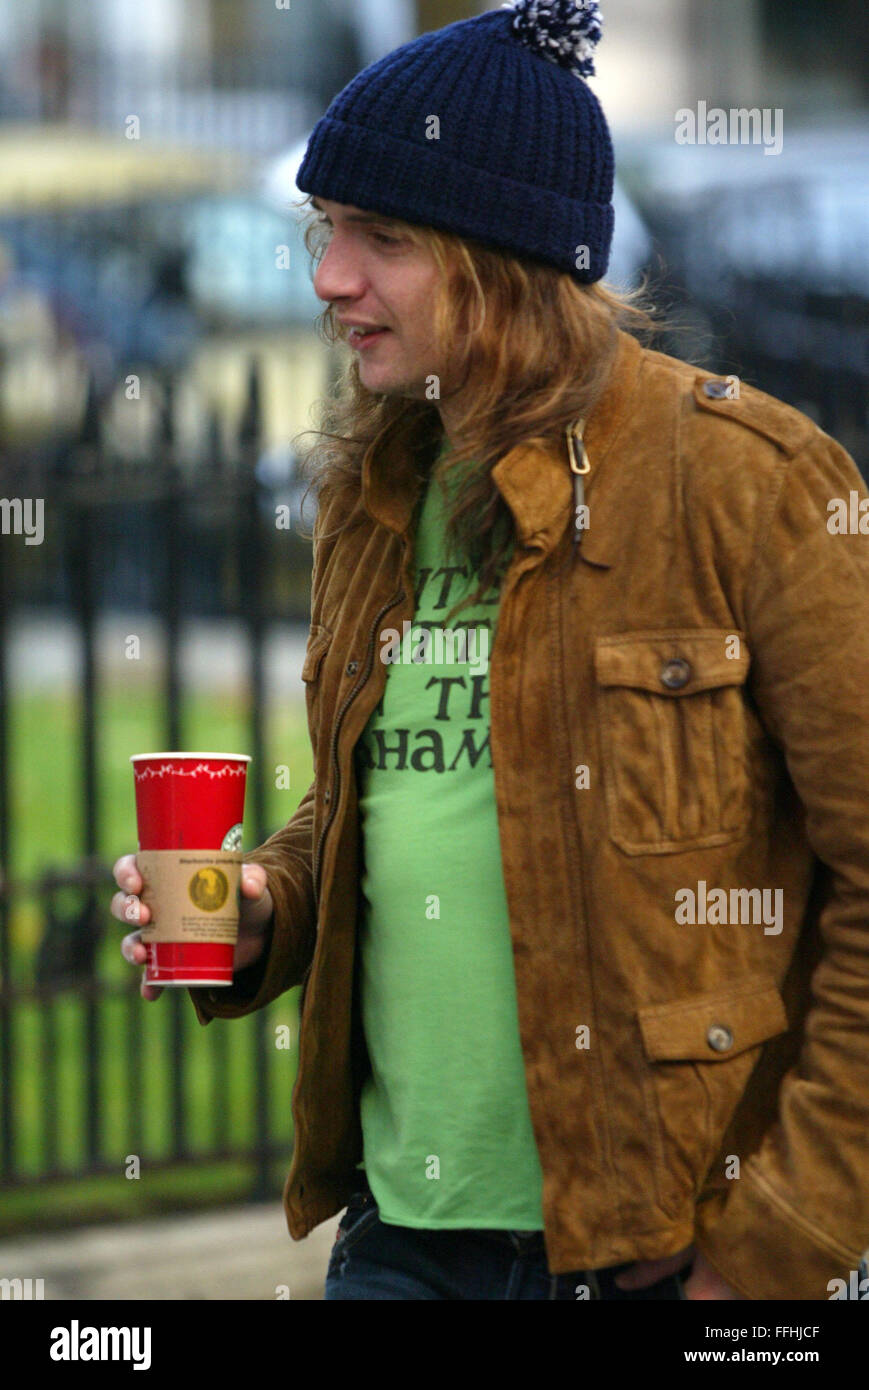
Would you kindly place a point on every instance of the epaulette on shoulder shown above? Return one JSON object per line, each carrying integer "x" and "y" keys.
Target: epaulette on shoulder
{"x": 729, "y": 397}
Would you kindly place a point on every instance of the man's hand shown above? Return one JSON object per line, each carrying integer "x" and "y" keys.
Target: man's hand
{"x": 702, "y": 1283}
{"x": 256, "y": 914}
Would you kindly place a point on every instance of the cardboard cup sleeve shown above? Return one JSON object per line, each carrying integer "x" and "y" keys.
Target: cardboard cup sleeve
{"x": 192, "y": 894}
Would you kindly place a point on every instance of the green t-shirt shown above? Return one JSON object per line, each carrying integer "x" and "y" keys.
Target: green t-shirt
{"x": 447, "y": 1131}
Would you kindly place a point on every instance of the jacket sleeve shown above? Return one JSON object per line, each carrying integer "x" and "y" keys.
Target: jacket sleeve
{"x": 798, "y": 1216}
{"x": 287, "y": 859}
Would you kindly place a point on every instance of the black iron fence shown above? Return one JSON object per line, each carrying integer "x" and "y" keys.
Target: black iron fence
{"x": 93, "y": 1082}
{"x": 773, "y": 287}
{"x": 807, "y": 347}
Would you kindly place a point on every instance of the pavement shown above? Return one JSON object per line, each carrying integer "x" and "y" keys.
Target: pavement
{"x": 243, "y": 1252}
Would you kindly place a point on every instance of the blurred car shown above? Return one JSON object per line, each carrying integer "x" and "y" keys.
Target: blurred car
{"x": 730, "y": 210}
{"x": 772, "y": 251}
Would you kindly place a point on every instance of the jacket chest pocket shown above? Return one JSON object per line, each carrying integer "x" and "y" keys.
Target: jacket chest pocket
{"x": 673, "y": 737}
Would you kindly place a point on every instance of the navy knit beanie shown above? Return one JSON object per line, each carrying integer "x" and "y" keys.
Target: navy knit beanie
{"x": 485, "y": 128}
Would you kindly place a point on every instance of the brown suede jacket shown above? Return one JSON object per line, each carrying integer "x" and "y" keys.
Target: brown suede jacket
{"x": 681, "y": 706}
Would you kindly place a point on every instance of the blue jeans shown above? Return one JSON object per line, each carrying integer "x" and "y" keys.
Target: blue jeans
{"x": 373, "y": 1260}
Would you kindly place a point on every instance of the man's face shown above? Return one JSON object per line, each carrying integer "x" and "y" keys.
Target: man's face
{"x": 374, "y": 276}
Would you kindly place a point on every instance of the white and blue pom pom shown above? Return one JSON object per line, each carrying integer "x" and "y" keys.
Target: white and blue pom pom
{"x": 565, "y": 32}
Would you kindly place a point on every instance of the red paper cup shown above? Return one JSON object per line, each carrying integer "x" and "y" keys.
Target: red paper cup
{"x": 189, "y": 801}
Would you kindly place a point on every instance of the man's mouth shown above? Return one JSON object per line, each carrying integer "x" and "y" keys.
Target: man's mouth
{"x": 361, "y": 337}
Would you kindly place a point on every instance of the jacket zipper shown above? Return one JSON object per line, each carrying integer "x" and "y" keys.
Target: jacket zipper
{"x": 333, "y": 752}
{"x": 333, "y": 755}
{"x": 580, "y": 466}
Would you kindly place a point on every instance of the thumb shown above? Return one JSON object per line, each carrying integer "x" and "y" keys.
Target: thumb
{"x": 253, "y": 880}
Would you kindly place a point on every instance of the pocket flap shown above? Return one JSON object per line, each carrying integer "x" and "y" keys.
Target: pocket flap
{"x": 673, "y": 662}
{"x": 318, "y": 644}
{"x": 712, "y": 1027}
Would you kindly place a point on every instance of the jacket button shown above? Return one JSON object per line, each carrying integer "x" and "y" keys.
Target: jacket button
{"x": 676, "y": 673}
{"x": 719, "y": 1037}
{"x": 352, "y": 668}
{"x": 327, "y": 795}
{"x": 716, "y": 390}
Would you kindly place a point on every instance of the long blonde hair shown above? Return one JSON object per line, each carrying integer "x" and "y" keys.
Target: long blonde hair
{"x": 539, "y": 344}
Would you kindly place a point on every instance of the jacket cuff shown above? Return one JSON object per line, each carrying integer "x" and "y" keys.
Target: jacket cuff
{"x": 231, "y": 1001}
{"x": 277, "y": 970}
{"x": 764, "y": 1248}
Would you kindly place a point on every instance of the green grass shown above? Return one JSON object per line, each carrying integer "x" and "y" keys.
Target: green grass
{"x": 56, "y": 1206}
{"x": 49, "y": 1042}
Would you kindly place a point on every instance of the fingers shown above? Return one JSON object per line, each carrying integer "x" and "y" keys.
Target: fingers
{"x": 126, "y": 875}
{"x": 128, "y": 908}
{"x": 126, "y": 905}
{"x": 133, "y": 949}
{"x": 644, "y": 1273}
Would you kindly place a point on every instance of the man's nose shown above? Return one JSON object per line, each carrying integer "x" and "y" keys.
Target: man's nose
{"x": 337, "y": 277}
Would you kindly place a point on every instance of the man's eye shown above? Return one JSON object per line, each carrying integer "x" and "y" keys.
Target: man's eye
{"x": 382, "y": 237}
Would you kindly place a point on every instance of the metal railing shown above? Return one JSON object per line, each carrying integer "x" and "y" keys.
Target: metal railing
{"x": 71, "y": 983}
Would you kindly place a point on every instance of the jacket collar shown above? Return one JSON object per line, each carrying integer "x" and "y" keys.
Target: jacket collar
{"x": 535, "y": 481}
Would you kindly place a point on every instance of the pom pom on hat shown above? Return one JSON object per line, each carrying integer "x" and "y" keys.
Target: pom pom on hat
{"x": 565, "y": 32}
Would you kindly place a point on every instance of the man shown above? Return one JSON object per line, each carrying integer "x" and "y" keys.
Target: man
{"x": 579, "y": 898}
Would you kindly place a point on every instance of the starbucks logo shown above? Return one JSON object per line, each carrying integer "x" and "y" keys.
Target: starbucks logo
{"x": 232, "y": 838}
{"x": 209, "y": 889}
